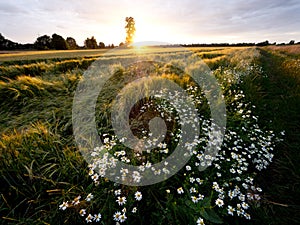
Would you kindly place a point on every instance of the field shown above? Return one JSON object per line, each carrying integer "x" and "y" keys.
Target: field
{"x": 254, "y": 178}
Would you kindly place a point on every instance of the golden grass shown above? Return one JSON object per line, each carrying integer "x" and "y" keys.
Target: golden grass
{"x": 290, "y": 49}
{"x": 63, "y": 54}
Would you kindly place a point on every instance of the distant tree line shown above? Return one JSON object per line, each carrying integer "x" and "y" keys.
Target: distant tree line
{"x": 54, "y": 42}
{"x": 57, "y": 42}
{"x": 264, "y": 43}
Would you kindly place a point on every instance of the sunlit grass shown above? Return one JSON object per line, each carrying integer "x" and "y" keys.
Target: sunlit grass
{"x": 41, "y": 166}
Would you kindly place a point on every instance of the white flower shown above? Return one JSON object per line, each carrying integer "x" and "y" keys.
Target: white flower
{"x": 188, "y": 168}
{"x": 138, "y": 196}
{"x": 76, "y": 200}
{"x": 192, "y": 179}
{"x": 245, "y": 205}
{"x": 64, "y": 205}
{"x": 219, "y": 202}
{"x": 89, "y": 218}
{"x": 194, "y": 199}
{"x": 193, "y": 190}
{"x": 89, "y": 197}
{"x": 134, "y": 210}
{"x": 121, "y": 200}
{"x": 97, "y": 217}
{"x": 117, "y": 216}
{"x": 122, "y": 218}
{"x": 82, "y": 212}
{"x": 117, "y": 192}
{"x": 247, "y": 216}
{"x": 230, "y": 210}
{"x": 200, "y": 221}
{"x": 180, "y": 190}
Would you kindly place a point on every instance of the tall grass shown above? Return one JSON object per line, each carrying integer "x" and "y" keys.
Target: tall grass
{"x": 40, "y": 166}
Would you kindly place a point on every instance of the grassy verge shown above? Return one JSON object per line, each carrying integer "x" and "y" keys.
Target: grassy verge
{"x": 277, "y": 97}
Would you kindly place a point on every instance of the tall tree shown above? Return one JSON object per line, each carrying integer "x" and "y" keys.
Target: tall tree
{"x": 58, "y": 42}
{"x": 90, "y": 43}
{"x": 6, "y": 44}
{"x": 101, "y": 45}
{"x": 43, "y": 42}
{"x": 130, "y": 30}
{"x": 71, "y": 43}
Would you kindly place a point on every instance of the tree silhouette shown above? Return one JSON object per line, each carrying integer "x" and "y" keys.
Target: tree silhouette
{"x": 43, "y": 42}
{"x": 91, "y": 43}
{"x": 101, "y": 44}
{"x": 58, "y": 42}
{"x": 71, "y": 43}
{"x": 130, "y": 30}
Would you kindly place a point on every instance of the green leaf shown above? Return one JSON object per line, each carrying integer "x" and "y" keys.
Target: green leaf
{"x": 211, "y": 215}
{"x": 205, "y": 202}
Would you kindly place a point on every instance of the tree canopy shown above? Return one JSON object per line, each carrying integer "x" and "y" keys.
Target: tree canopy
{"x": 130, "y": 30}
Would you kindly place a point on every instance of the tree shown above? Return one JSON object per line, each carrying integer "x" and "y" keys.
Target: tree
{"x": 90, "y": 43}
{"x": 121, "y": 44}
{"x": 58, "y": 42}
{"x": 43, "y": 42}
{"x": 292, "y": 42}
{"x": 101, "y": 45}
{"x": 265, "y": 43}
{"x": 130, "y": 30}
{"x": 6, "y": 44}
{"x": 71, "y": 43}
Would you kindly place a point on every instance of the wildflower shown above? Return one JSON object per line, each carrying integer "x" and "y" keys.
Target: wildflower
{"x": 76, "y": 200}
{"x": 247, "y": 216}
{"x": 117, "y": 192}
{"x": 117, "y": 216}
{"x": 193, "y": 190}
{"x": 64, "y": 205}
{"x": 134, "y": 210}
{"x": 97, "y": 217}
{"x": 230, "y": 210}
{"x": 180, "y": 190}
{"x": 219, "y": 202}
{"x": 89, "y": 197}
{"x": 188, "y": 168}
{"x": 138, "y": 196}
{"x": 89, "y": 218}
{"x": 200, "y": 221}
{"x": 82, "y": 212}
{"x": 122, "y": 218}
{"x": 121, "y": 200}
{"x": 245, "y": 205}
{"x": 194, "y": 199}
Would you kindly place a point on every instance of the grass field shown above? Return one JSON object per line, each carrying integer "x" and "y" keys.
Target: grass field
{"x": 42, "y": 169}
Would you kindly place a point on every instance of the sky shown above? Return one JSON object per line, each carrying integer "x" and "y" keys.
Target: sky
{"x": 171, "y": 21}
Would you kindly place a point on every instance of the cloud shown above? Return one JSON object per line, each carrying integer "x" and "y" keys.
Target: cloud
{"x": 181, "y": 21}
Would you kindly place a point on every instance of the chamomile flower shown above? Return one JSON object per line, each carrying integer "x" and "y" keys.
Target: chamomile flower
{"x": 200, "y": 221}
{"x": 89, "y": 197}
{"x": 219, "y": 202}
{"x": 138, "y": 196}
{"x": 116, "y": 216}
{"x": 134, "y": 210}
{"x": 97, "y": 217}
{"x": 122, "y": 218}
{"x": 121, "y": 200}
{"x": 180, "y": 190}
{"x": 82, "y": 212}
{"x": 89, "y": 218}
{"x": 64, "y": 205}
{"x": 230, "y": 210}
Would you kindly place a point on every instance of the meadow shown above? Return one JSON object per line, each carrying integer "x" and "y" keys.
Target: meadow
{"x": 254, "y": 178}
